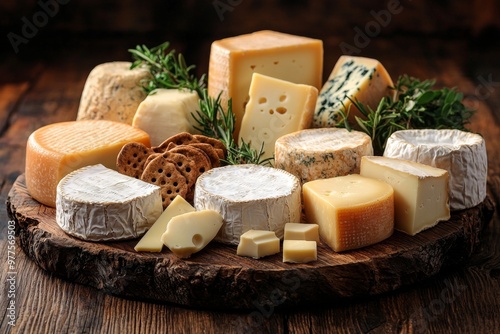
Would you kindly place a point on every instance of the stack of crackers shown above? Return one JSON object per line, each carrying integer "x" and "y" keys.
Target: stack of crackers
{"x": 174, "y": 165}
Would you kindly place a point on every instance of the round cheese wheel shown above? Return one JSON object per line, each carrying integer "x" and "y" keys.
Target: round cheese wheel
{"x": 462, "y": 154}
{"x": 321, "y": 153}
{"x": 249, "y": 197}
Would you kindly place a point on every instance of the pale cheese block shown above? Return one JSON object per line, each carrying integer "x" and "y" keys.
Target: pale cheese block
{"x": 258, "y": 244}
{"x": 55, "y": 150}
{"x": 151, "y": 241}
{"x": 462, "y": 154}
{"x": 96, "y": 203}
{"x": 352, "y": 211}
{"x": 321, "y": 153}
{"x": 190, "y": 232}
{"x": 112, "y": 92}
{"x": 233, "y": 60}
{"x": 298, "y": 231}
{"x": 249, "y": 197}
{"x": 276, "y": 108}
{"x": 167, "y": 112}
{"x": 420, "y": 191}
{"x": 352, "y": 79}
{"x": 300, "y": 251}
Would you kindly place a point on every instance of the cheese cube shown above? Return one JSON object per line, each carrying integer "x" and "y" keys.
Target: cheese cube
{"x": 167, "y": 112}
{"x": 288, "y": 57}
{"x": 299, "y": 251}
{"x": 276, "y": 108}
{"x": 151, "y": 241}
{"x": 297, "y": 231}
{"x": 420, "y": 191}
{"x": 190, "y": 232}
{"x": 56, "y": 150}
{"x": 258, "y": 243}
{"x": 352, "y": 211}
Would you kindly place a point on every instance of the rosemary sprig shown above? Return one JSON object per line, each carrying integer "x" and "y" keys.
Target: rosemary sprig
{"x": 417, "y": 105}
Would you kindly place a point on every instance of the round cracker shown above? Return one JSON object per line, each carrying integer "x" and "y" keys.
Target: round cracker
{"x": 216, "y": 143}
{"x": 131, "y": 159}
{"x": 181, "y": 138}
{"x": 188, "y": 169}
{"x": 199, "y": 157}
{"x": 210, "y": 151}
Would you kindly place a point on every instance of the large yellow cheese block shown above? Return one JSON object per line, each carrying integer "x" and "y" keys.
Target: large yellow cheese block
{"x": 288, "y": 57}
{"x": 352, "y": 211}
{"x": 56, "y": 150}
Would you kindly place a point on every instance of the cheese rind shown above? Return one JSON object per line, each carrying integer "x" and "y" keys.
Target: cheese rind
{"x": 56, "y": 150}
{"x": 233, "y": 60}
{"x": 249, "y": 197}
{"x": 352, "y": 211}
{"x": 298, "y": 231}
{"x": 420, "y": 191}
{"x": 276, "y": 108}
{"x": 258, "y": 243}
{"x": 462, "y": 154}
{"x": 321, "y": 153}
{"x": 299, "y": 251}
{"x": 151, "y": 241}
{"x": 352, "y": 79}
{"x": 99, "y": 204}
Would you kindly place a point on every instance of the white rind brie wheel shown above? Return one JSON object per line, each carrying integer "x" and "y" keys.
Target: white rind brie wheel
{"x": 249, "y": 197}
{"x": 461, "y": 153}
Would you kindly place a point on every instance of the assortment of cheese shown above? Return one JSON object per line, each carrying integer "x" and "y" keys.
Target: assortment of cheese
{"x": 349, "y": 197}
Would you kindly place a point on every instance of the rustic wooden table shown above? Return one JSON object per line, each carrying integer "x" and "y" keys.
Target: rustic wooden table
{"x": 42, "y": 84}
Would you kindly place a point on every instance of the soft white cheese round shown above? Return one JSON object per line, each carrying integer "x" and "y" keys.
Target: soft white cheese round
{"x": 462, "y": 154}
{"x": 249, "y": 197}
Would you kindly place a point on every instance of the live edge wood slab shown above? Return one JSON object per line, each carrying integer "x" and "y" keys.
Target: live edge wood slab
{"x": 218, "y": 278}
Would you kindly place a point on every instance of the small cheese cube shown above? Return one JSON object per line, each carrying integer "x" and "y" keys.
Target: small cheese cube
{"x": 258, "y": 243}
{"x": 420, "y": 191}
{"x": 190, "y": 232}
{"x": 299, "y": 251}
{"x": 151, "y": 241}
{"x": 297, "y": 231}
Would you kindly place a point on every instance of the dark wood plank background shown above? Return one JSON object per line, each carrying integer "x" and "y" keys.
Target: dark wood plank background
{"x": 455, "y": 42}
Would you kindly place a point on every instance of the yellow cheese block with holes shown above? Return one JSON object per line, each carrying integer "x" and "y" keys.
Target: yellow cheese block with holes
{"x": 352, "y": 211}
{"x": 55, "y": 150}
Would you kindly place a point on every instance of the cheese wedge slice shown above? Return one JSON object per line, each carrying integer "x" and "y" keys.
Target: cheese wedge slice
{"x": 420, "y": 191}
{"x": 56, "y": 150}
{"x": 258, "y": 243}
{"x": 352, "y": 211}
{"x": 300, "y": 251}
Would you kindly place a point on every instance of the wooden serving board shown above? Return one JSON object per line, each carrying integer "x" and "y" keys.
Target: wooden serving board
{"x": 218, "y": 278}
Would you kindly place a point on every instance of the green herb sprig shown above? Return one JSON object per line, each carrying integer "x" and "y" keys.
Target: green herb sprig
{"x": 416, "y": 105}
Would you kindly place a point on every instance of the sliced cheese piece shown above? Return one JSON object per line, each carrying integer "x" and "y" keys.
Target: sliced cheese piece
{"x": 55, "y": 150}
{"x": 258, "y": 243}
{"x": 352, "y": 78}
{"x": 112, "y": 92}
{"x": 190, "y": 232}
{"x": 321, "y": 153}
{"x": 151, "y": 241}
{"x": 99, "y": 204}
{"x": 462, "y": 154}
{"x": 352, "y": 211}
{"x": 420, "y": 191}
{"x": 249, "y": 197}
{"x": 288, "y": 57}
{"x": 167, "y": 112}
{"x": 298, "y": 231}
{"x": 276, "y": 108}
{"x": 300, "y": 251}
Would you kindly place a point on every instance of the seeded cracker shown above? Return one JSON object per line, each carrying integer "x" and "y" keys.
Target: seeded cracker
{"x": 131, "y": 159}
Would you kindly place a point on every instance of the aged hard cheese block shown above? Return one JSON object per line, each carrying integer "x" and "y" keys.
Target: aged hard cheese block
{"x": 321, "y": 153}
{"x": 190, "y": 232}
{"x": 113, "y": 92}
{"x": 99, "y": 204}
{"x": 276, "y": 108}
{"x": 167, "y": 112}
{"x": 298, "y": 231}
{"x": 420, "y": 191}
{"x": 462, "y": 154}
{"x": 352, "y": 78}
{"x": 352, "y": 211}
{"x": 258, "y": 243}
{"x": 151, "y": 241}
{"x": 55, "y": 150}
{"x": 299, "y": 251}
{"x": 233, "y": 60}
{"x": 249, "y": 197}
